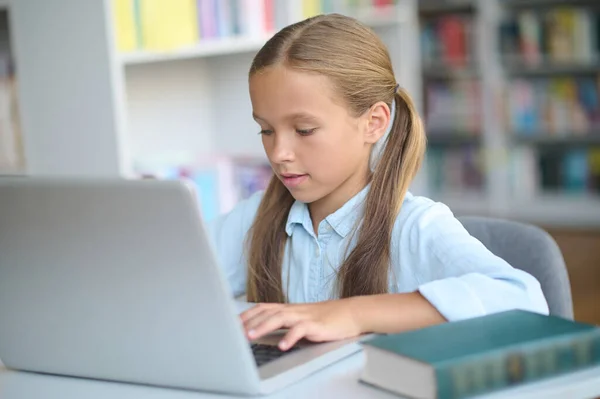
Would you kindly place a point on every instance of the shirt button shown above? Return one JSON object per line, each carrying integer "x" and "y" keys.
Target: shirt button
{"x": 317, "y": 252}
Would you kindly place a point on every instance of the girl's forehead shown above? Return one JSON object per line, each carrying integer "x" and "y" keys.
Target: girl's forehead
{"x": 283, "y": 77}
{"x": 284, "y": 85}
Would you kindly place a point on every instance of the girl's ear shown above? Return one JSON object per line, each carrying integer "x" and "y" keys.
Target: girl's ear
{"x": 378, "y": 118}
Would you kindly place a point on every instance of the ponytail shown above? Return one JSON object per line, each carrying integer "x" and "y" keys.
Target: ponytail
{"x": 365, "y": 270}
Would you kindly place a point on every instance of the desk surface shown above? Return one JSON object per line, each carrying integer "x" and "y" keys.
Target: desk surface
{"x": 337, "y": 381}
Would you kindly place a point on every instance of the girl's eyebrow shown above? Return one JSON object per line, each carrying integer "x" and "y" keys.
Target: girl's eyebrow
{"x": 302, "y": 116}
{"x": 295, "y": 116}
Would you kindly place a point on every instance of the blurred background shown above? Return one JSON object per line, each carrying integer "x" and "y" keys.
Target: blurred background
{"x": 508, "y": 90}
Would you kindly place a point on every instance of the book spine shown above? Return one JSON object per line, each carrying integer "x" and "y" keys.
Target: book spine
{"x": 125, "y": 25}
{"x": 564, "y": 34}
{"x": 496, "y": 370}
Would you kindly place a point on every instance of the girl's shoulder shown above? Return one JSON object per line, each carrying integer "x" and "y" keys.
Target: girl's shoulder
{"x": 420, "y": 212}
{"x": 240, "y": 217}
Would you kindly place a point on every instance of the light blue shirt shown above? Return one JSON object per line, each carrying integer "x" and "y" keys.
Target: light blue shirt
{"x": 430, "y": 252}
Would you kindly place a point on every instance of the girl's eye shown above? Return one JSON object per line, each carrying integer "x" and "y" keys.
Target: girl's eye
{"x": 306, "y": 132}
{"x": 266, "y": 132}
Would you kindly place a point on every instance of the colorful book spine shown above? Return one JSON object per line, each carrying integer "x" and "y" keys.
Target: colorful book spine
{"x": 168, "y": 25}
{"x": 565, "y": 34}
{"x": 453, "y": 107}
{"x": 125, "y": 14}
{"x": 563, "y": 169}
{"x": 207, "y": 19}
{"x": 556, "y": 106}
{"x": 455, "y": 169}
{"x": 447, "y": 41}
{"x": 164, "y": 25}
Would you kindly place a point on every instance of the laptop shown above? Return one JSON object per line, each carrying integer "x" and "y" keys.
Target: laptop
{"x": 117, "y": 280}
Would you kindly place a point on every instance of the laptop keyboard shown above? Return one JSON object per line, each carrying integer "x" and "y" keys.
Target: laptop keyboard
{"x": 266, "y": 353}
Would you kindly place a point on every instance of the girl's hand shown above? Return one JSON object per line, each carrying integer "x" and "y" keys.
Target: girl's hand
{"x": 318, "y": 322}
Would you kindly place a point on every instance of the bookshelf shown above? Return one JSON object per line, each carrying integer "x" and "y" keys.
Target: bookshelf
{"x": 549, "y": 57}
{"x": 511, "y": 183}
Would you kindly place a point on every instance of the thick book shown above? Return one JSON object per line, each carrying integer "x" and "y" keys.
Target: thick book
{"x": 479, "y": 355}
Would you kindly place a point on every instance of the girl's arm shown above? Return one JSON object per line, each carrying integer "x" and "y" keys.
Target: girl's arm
{"x": 392, "y": 313}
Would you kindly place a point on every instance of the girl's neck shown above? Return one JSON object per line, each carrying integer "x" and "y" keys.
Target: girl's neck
{"x": 327, "y": 205}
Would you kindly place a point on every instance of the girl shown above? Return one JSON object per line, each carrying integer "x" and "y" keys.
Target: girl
{"x": 336, "y": 245}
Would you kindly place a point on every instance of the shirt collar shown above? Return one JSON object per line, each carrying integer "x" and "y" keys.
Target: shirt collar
{"x": 342, "y": 220}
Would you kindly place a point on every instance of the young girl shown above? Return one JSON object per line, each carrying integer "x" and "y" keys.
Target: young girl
{"x": 336, "y": 246}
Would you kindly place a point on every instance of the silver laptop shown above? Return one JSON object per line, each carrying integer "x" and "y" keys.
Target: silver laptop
{"x": 117, "y": 280}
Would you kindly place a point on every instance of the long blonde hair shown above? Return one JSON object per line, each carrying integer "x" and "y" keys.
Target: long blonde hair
{"x": 358, "y": 64}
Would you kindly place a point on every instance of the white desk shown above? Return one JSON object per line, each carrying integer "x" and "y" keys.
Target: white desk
{"x": 337, "y": 381}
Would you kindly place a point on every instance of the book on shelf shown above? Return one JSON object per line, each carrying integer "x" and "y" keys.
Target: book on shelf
{"x": 479, "y": 355}
{"x": 455, "y": 169}
{"x": 560, "y": 35}
{"x": 164, "y": 25}
{"x": 555, "y": 170}
{"x": 560, "y": 106}
{"x": 447, "y": 42}
{"x": 453, "y": 106}
{"x": 220, "y": 182}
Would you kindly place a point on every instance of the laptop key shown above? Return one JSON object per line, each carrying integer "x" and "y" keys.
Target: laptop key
{"x": 266, "y": 353}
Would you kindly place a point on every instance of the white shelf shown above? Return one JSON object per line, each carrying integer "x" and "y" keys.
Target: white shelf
{"x": 561, "y": 210}
{"x": 206, "y": 48}
{"x": 557, "y": 211}
{"x": 469, "y": 203}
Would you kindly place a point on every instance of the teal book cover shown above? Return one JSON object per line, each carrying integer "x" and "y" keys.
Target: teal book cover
{"x": 488, "y": 353}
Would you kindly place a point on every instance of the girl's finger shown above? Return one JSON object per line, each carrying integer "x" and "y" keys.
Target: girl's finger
{"x": 295, "y": 334}
{"x": 259, "y": 318}
{"x": 275, "y": 322}
{"x": 253, "y": 311}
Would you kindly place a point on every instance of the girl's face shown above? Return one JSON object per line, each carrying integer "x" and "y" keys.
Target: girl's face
{"x": 316, "y": 147}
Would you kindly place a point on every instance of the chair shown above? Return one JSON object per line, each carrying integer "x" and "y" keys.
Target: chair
{"x": 530, "y": 249}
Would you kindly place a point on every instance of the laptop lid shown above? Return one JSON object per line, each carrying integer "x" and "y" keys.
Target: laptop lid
{"x": 116, "y": 279}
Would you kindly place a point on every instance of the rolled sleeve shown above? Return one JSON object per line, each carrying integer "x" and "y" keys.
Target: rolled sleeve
{"x": 477, "y": 294}
{"x": 461, "y": 278}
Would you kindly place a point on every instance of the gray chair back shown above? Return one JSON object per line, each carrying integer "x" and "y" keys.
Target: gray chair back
{"x": 530, "y": 249}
